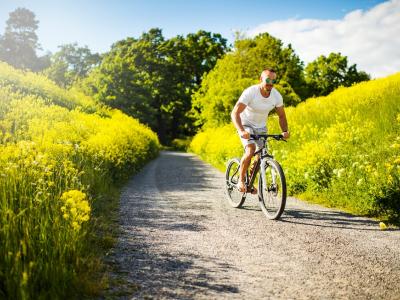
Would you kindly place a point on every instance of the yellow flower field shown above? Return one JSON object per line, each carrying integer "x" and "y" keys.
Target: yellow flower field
{"x": 58, "y": 148}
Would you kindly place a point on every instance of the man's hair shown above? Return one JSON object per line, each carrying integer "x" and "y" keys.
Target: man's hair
{"x": 270, "y": 70}
{"x": 265, "y": 70}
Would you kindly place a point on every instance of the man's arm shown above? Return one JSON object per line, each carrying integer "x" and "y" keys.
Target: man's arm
{"x": 237, "y": 121}
{"x": 283, "y": 122}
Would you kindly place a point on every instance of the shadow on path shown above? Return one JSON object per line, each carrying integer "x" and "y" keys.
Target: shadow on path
{"x": 151, "y": 223}
{"x": 333, "y": 219}
{"x": 175, "y": 276}
{"x": 311, "y": 216}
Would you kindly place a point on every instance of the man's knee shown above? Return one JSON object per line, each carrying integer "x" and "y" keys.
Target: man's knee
{"x": 249, "y": 151}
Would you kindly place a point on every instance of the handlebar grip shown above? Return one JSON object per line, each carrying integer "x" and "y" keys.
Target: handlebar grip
{"x": 278, "y": 137}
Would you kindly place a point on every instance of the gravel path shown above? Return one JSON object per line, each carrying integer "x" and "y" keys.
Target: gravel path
{"x": 181, "y": 240}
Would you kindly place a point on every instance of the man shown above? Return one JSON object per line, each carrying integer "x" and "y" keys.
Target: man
{"x": 250, "y": 116}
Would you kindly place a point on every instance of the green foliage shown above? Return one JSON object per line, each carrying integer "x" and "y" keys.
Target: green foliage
{"x": 326, "y": 74}
{"x": 19, "y": 43}
{"x": 152, "y": 78}
{"x": 27, "y": 83}
{"x": 194, "y": 55}
{"x": 125, "y": 74}
{"x": 56, "y": 162}
{"x": 71, "y": 64}
{"x": 221, "y": 87}
{"x": 181, "y": 144}
{"x": 343, "y": 151}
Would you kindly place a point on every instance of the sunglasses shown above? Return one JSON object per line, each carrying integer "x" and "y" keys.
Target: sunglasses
{"x": 270, "y": 81}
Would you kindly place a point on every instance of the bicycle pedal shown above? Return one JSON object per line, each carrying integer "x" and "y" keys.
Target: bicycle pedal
{"x": 252, "y": 191}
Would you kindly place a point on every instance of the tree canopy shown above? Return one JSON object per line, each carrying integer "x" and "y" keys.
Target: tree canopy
{"x": 71, "y": 63}
{"x": 152, "y": 78}
{"x": 325, "y": 74}
{"x": 19, "y": 43}
{"x": 222, "y": 86}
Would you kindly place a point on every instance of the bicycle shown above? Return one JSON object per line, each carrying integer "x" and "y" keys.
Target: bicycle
{"x": 271, "y": 181}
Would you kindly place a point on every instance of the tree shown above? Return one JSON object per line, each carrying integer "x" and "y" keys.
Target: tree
{"x": 222, "y": 86}
{"x": 71, "y": 63}
{"x": 117, "y": 83}
{"x": 194, "y": 56}
{"x": 197, "y": 53}
{"x": 325, "y": 74}
{"x": 152, "y": 78}
{"x": 19, "y": 43}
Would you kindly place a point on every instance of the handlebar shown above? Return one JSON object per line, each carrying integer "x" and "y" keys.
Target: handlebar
{"x": 278, "y": 137}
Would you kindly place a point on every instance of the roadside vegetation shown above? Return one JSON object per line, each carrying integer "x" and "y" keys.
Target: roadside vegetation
{"x": 61, "y": 154}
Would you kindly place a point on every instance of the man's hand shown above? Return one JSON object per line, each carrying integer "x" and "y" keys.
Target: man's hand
{"x": 244, "y": 134}
{"x": 286, "y": 135}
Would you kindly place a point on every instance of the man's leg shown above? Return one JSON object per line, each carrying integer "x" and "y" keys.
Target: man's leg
{"x": 244, "y": 165}
{"x": 253, "y": 189}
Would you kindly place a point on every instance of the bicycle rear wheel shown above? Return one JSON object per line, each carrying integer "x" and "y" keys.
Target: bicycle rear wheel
{"x": 234, "y": 196}
{"x": 272, "y": 192}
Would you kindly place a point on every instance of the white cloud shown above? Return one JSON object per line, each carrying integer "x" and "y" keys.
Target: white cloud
{"x": 370, "y": 39}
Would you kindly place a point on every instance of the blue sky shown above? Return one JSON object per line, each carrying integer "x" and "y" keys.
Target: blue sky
{"x": 100, "y": 23}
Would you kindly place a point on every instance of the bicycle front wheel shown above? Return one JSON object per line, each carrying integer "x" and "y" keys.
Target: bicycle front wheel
{"x": 234, "y": 196}
{"x": 272, "y": 190}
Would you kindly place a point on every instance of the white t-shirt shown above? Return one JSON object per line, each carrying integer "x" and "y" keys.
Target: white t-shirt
{"x": 258, "y": 107}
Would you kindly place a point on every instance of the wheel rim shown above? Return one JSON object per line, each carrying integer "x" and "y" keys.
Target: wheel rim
{"x": 272, "y": 192}
{"x": 232, "y": 178}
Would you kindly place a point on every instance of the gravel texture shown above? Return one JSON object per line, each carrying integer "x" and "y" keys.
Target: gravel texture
{"x": 181, "y": 239}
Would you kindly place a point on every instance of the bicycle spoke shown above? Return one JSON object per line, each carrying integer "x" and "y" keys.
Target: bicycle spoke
{"x": 273, "y": 191}
{"x": 235, "y": 197}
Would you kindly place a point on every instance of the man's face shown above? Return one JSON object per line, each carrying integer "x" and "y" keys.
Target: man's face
{"x": 267, "y": 80}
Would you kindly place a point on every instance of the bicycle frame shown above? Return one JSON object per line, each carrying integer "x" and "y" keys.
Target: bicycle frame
{"x": 272, "y": 183}
{"x": 261, "y": 162}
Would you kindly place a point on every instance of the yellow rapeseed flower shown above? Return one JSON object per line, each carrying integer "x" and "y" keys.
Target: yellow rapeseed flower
{"x": 73, "y": 211}
{"x": 76, "y": 226}
{"x": 24, "y": 278}
{"x": 382, "y": 226}
{"x": 388, "y": 166}
{"x": 70, "y": 202}
{"x": 85, "y": 218}
{"x": 76, "y": 208}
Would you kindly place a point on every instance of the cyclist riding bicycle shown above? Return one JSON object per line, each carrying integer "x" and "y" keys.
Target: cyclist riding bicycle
{"x": 250, "y": 115}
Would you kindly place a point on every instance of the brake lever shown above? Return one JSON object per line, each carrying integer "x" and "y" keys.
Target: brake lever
{"x": 281, "y": 138}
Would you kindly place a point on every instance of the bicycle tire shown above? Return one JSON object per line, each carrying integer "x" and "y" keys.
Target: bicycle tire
{"x": 272, "y": 196}
{"x": 235, "y": 198}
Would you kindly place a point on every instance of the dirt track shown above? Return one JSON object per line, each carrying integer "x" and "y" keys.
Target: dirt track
{"x": 181, "y": 240}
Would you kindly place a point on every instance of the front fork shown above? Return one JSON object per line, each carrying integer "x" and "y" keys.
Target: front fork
{"x": 264, "y": 164}
{"x": 262, "y": 172}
